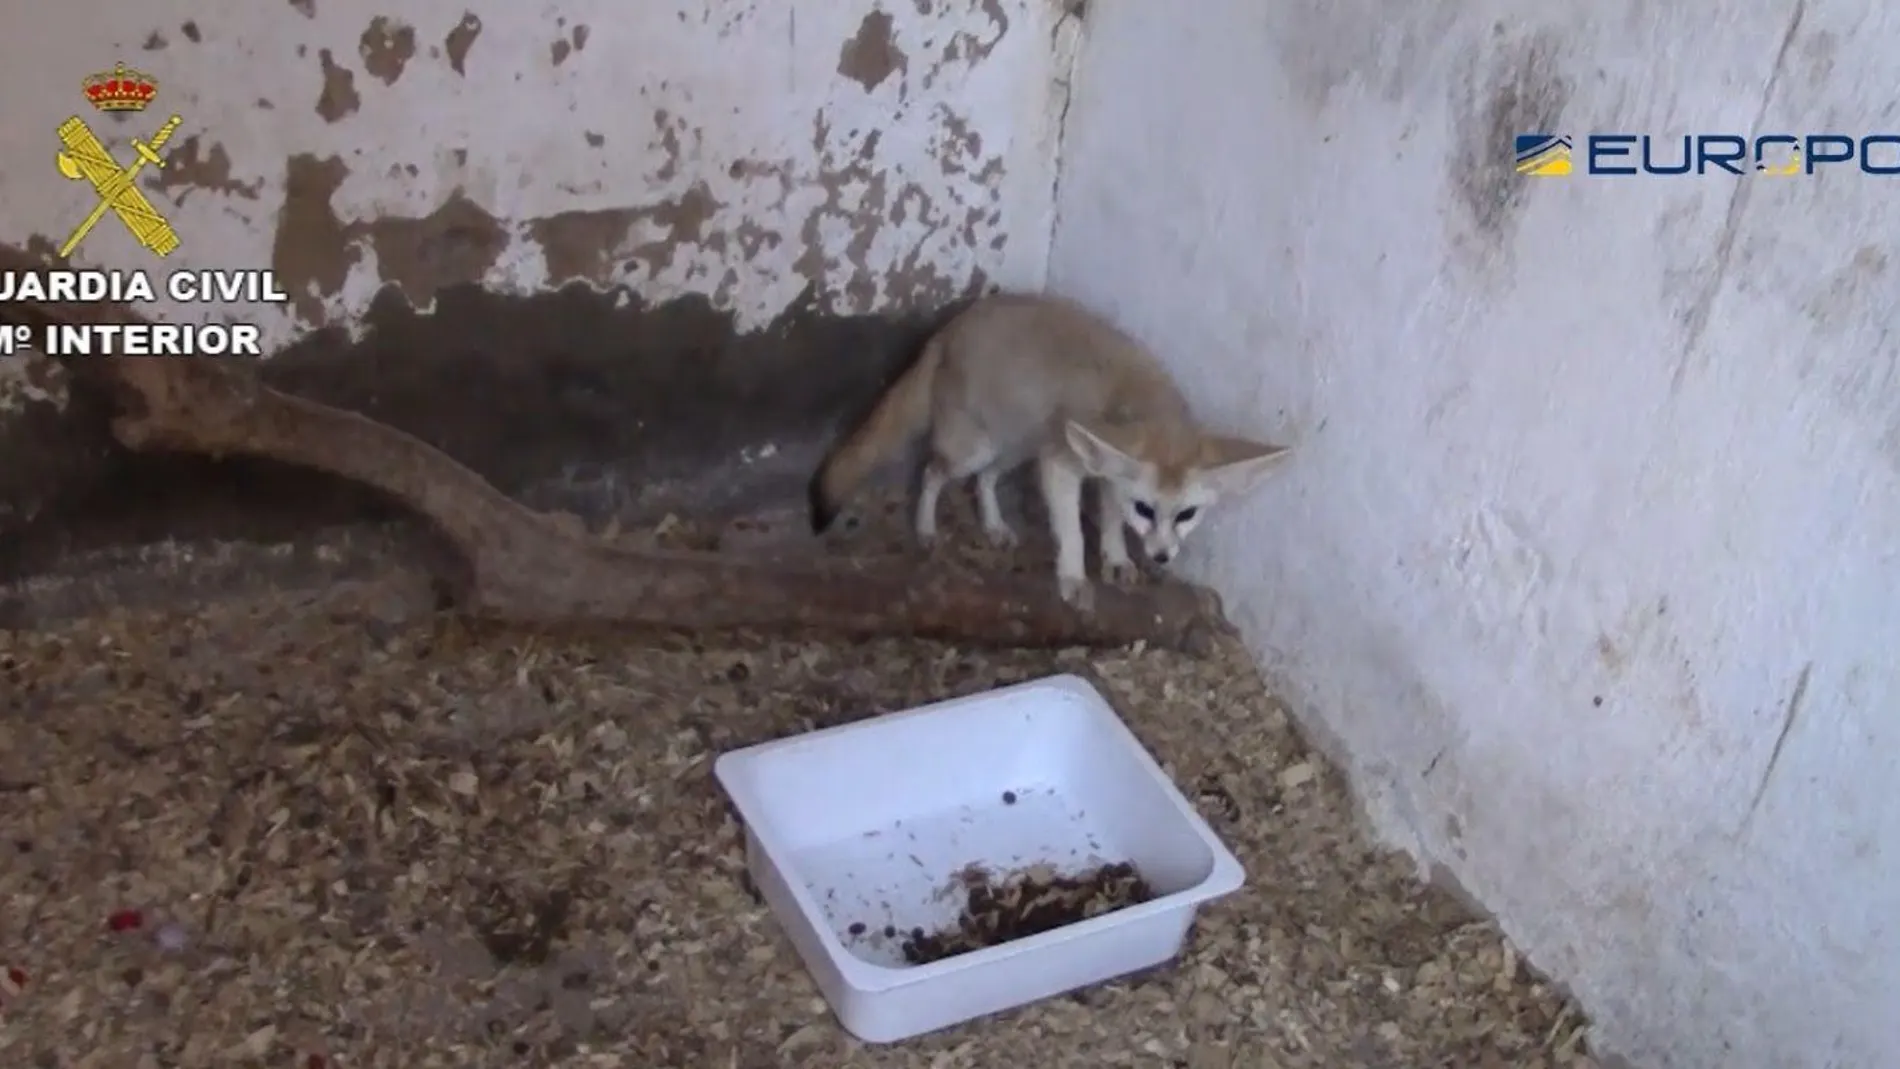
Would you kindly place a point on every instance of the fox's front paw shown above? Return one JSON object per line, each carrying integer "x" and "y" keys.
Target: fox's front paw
{"x": 1077, "y": 592}
{"x": 1121, "y": 572}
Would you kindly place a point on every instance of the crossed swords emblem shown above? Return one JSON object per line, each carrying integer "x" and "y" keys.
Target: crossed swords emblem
{"x": 86, "y": 157}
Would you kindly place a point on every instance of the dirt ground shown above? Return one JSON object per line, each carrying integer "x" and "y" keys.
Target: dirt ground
{"x": 333, "y": 827}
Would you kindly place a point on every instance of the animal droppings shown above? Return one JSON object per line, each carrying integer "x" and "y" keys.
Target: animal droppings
{"x": 1025, "y": 903}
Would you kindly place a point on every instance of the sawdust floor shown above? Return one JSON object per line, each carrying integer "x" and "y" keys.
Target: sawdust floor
{"x": 337, "y": 830}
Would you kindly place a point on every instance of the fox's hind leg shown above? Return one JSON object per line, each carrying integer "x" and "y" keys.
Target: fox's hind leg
{"x": 995, "y": 526}
{"x": 958, "y": 450}
{"x": 927, "y": 495}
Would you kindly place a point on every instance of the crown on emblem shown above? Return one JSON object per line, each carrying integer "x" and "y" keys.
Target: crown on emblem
{"x": 120, "y": 89}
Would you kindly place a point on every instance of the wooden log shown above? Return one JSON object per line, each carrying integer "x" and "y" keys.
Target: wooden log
{"x": 524, "y": 567}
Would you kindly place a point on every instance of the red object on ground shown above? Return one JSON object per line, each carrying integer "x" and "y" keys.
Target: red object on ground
{"x": 18, "y": 976}
{"x": 125, "y": 920}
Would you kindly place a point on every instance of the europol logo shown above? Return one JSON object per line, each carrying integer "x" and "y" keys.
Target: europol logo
{"x": 1543, "y": 155}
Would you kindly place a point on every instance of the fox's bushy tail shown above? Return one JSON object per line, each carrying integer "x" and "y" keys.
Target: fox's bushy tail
{"x": 901, "y": 416}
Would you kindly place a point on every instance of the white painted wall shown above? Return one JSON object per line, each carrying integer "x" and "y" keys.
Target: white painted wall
{"x": 884, "y": 194}
{"x": 1590, "y": 506}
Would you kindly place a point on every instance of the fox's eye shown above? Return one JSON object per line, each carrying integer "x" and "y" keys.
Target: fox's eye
{"x": 1144, "y": 510}
{"x": 1186, "y": 514}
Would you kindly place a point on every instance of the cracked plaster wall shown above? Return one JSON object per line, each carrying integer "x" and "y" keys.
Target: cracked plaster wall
{"x": 880, "y": 154}
{"x": 1587, "y": 559}
{"x": 799, "y": 165}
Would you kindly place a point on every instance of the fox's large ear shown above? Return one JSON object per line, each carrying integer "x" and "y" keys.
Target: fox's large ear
{"x": 1098, "y": 457}
{"x": 1233, "y": 465}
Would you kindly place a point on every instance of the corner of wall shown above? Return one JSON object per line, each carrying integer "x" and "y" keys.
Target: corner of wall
{"x": 1066, "y": 65}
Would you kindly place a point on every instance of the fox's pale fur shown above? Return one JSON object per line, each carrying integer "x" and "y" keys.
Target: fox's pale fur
{"x": 1017, "y": 377}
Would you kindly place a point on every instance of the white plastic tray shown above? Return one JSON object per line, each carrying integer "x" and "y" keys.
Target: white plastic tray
{"x": 869, "y": 823}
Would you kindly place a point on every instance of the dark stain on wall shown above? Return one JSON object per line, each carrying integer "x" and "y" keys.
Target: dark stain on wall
{"x": 193, "y": 166}
{"x": 999, "y": 19}
{"x": 315, "y": 250}
{"x": 683, "y": 219}
{"x": 460, "y": 40}
{"x": 339, "y": 98}
{"x": 454, "y": 245}
{"x": 871, "y": 55}
{"x": 459, "y": 241}
{"x": 1516, "y": 85}
{"x": 386, "y": 47}
{"x": 575, "y": 41}
{"x": 967, "y": 47}
{"x": 312, "y": 253}
{"x": 582, "y": 244}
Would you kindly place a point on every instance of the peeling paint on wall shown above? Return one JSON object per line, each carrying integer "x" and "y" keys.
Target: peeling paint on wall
{"x": 460, "y": 40}
{"x": 387, "y": 47}
{"x": 338, "y": 100}
{"x": 866, "y": 155}
{"x": 872, "y": 55}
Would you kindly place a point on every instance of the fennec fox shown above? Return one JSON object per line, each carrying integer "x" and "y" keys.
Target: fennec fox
{"x": 1018, "y": 376}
